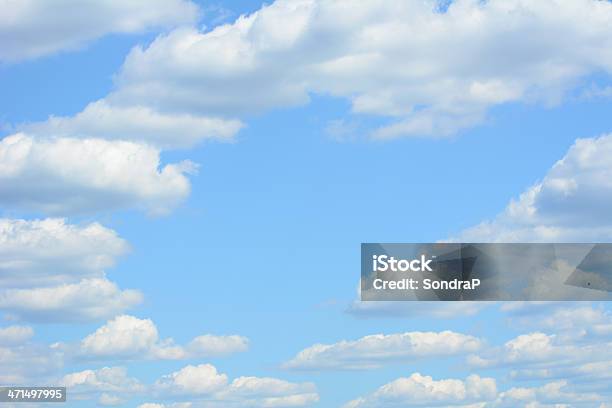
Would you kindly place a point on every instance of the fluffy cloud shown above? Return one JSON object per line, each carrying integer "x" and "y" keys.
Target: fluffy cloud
{"x": 51, "y": 251}
{"x": 110, "y": 385}
{"x": 570, "y": 204}
{"x": 193, "y": 380}
{"x": 66, "y": 176}
{"x": 138, "y": 123}
{"x": 107, "y": 379}
{"x": 374, "y": 350}
{"x": 269, "y": 392}
{"x": 13, "y": 335}
{"x": 52, "y": 271}
{"x": 424, "y": 391}
{"x": 430, "y": 72}
{"x": 88, "y": 299}
{"x": 573, "y": 320}
{"x": 526, "y": 348}
{"x": 575, "y": 354}
{"x": 37, "y": 27}
{"x": 122, "y": 336}
{"x": 473, "y": 392}
{"x": 591, "y": 377}
{"x": 554, "y": 394}
{"x": 541, "y": 355}
{"x": 127, "y": 337}
{"x": 23, "y": 362}
{"x": 208, "y": 385}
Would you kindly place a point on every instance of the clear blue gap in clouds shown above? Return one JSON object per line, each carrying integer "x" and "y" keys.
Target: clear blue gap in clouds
{"x": 267, "y": 246}
{"x": 281, "y": 213}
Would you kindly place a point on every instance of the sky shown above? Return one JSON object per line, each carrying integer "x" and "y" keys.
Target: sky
{"x": 184, "y": 188}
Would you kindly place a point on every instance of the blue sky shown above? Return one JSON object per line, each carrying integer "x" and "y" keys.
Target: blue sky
{"x": 264, "y": 242}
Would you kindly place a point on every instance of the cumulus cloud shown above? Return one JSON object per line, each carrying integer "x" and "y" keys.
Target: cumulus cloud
{"x": 214, "y": 389}
{"x": 110, "y": 385}
{"x": 430, "y": 72}
{"x": 13, "y": 335}
{"x": 51, "y": 251}
{"x": 128, "y": 337}
{"x": 574, "y": 354}
{"x": 424, "y": 70}
{"x": 193, "y": 380}
{"x": 473, "y": 392}
{"x": 574, "y": 320}
{"x": 202, "y": 383}
{"x": 375, "y": 350}
{"x": 107, "y": 379}
{"x": 22, "y": 362}
{"x": 53, "y": 271}
{"x": 570, "y": 204}
{"x": 37, "y": 27}
{"x": 423, "y": 391}
{"x": 539, "y": 355}
{"x": 68, "y": 176}
{"x": 88, "y": 299}
{"x": 554, "y": 394}
{"x": 138, "y": 123}
{"x": 527, "y": 348}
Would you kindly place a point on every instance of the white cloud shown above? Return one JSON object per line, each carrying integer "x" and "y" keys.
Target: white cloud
{"x": 473, "y": 392}
{"x": 13, "y": 335}
{"x": 532, "y": 347}
{"x": 424, "y": 391}
{"x": 574, "y": 320}
{"x": 128, "y": 337}
{"x": 107, "y": 379}
{"x": 375, "y": 350}
{"x": 89, "y": 299}
{"x": 51, "y": 251}
{"x": 539, "y": 354}
{"x": 213, "y": 389}
{"x": 428, "y": 72}
{"x": 192, "y": 380}
{"x": 67, "y": 176}
{"x": 575, "y": 353}
{"x": 269, "y": 392}
{"x": 555, "y": 395}
{"x": 138, "y": 123}
{"x": 111, "y": 386}
{"x": 38, "y": 27}
{"x": 22, "y": 364}
{"x": 53, "y": 271}
{"x": 571, "y": 203}
{"x": 585, "y": 377}
{"x": 123, "y": 336}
